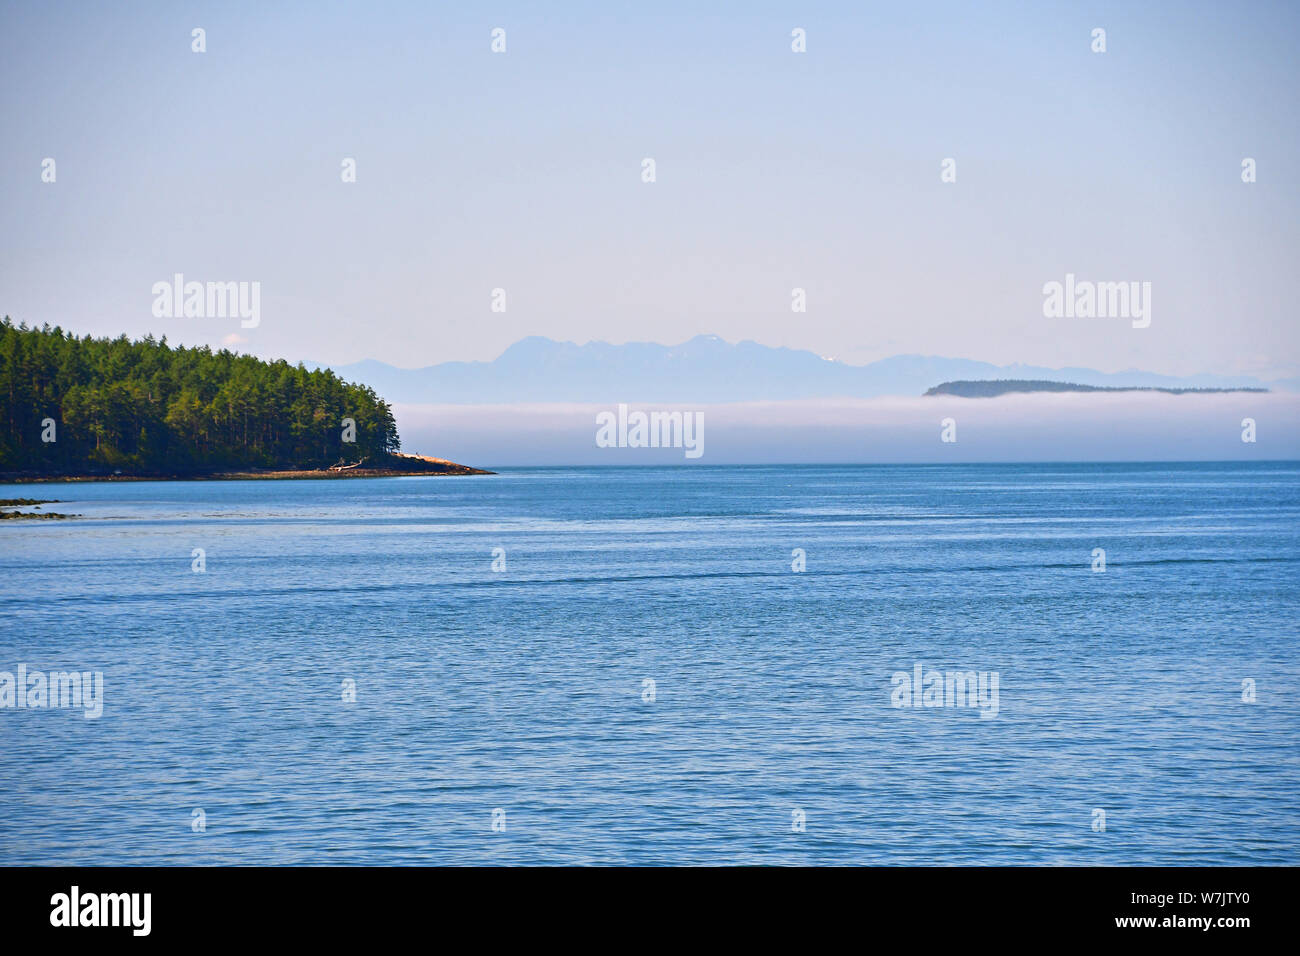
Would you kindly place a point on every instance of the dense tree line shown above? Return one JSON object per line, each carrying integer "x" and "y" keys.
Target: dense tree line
{"x": 147, "y": 408}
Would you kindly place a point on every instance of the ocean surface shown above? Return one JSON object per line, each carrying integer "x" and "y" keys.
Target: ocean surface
{"x": 504, "y": 716}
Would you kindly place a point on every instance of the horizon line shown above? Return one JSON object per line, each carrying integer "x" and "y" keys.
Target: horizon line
{"x": 901, "y": 464}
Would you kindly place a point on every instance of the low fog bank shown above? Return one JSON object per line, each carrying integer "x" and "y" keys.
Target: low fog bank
{"x": 1029, "y": 427}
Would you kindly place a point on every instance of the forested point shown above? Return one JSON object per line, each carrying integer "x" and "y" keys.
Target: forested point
{"x": 72, "y": 405}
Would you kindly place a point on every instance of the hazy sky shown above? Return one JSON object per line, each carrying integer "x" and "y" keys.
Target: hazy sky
{"x": 522, "y": 171}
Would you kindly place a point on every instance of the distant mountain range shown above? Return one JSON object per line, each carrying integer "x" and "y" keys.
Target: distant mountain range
{"x": 707, "y": 369}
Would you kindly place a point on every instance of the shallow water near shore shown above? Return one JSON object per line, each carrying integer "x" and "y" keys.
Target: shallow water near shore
{"x": 524, "y": 689}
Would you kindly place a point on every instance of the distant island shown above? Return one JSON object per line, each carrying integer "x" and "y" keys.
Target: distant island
{"x": 993, "y": 388}
{"x": 74, "y": 408}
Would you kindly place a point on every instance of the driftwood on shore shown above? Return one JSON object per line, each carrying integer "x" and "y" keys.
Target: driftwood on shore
{"x": 342, "y": 467}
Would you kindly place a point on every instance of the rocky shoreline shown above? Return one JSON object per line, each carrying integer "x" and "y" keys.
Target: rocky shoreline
{"x": 399, "y": 466}
{"x": 8, "y": 504}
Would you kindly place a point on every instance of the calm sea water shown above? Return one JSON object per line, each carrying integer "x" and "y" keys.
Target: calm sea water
{"x": 524, "y": 689}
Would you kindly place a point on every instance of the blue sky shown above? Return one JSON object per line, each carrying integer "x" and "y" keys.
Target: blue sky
{"x": 775, "y": 170}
